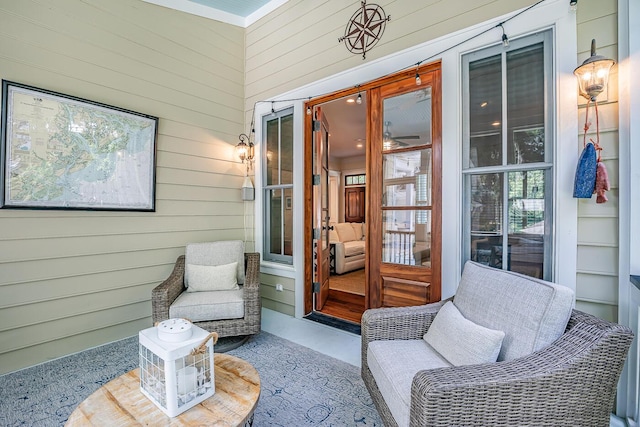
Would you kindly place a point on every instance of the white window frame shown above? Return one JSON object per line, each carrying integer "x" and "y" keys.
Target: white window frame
{"x": 267, "y": 255}
{"x": 546, "y": 165}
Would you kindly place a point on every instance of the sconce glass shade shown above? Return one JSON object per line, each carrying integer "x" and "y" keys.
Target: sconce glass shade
{"x": 593, "y": 74}
{"x": 244, "y": 149}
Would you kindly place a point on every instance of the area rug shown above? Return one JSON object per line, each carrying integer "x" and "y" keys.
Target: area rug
{"x": 299, "y": 386}
{"x": 352, "y": 282}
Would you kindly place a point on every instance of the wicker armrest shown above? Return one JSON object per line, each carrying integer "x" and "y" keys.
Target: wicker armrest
{"x": 166, "y": 292}
{"x": 251, "y": 280}
{"x": 396, "y": 323}
{"x": 572, "y": 380}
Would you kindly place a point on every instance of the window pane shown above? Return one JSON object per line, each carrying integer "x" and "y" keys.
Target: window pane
{"x": 526, "y": 222}
{"x": 486, "y": 204}
{"x": 275, "y": 214}
{"x": 286, "y": 150}
{"x": 407, "y": 120}
{"x": 407, "y": 178}
{"x": 287, "y": 224}
{"x": 525, "y": 104}
{"x": 485, "y": 112}
{"x": 404, "y": 241}
{"x": 273, "y": 151}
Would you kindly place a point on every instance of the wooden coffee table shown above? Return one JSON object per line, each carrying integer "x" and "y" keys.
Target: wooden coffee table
{"x": 121, "y": 403}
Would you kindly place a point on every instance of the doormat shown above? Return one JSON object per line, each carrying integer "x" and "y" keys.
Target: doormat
{"x": 334, "y": 322}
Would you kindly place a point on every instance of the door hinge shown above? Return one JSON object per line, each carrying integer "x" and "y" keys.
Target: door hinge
{"x": 316, "y": 287}
{"x": 316, "y": 179}
{"x": 316, "y": 125}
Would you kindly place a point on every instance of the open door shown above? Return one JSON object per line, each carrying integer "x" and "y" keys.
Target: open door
{"x": 321, "y": 247}
{"x": 405, "y": 193}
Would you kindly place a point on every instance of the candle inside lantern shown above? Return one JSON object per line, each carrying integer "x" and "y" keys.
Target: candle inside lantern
{"x": 187, "y": 379}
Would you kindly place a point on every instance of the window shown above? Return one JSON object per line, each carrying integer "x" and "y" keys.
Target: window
{"x": 508, "y": 156}
{"x": 278, "y": 186}
{"x": 360, "y": 179}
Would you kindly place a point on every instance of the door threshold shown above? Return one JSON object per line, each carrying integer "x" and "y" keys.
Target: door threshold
{"x": 334, "y": 322}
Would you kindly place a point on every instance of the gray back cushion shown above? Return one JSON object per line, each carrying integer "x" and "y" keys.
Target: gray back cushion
{"x": 216, "y": 253}
{"x": 531, "y": 312}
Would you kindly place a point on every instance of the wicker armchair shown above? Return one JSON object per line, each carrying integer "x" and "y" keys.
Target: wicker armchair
{"x": 166, "y": 293}
{"x": 571, "y": 382}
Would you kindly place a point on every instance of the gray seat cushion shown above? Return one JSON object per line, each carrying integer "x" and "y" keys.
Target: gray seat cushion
{"x": 216, "y": 253}
{"x": 206, "y": 306}
{"x": 393, "y": 364}
{"x": 531, "y": 312}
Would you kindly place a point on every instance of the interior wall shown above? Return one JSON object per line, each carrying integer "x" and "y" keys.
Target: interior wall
{"x": 70, "y": 280}
{"x": 598, "y": 248}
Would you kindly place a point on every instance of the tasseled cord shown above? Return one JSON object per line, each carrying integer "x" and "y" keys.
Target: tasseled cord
{"x": 602, "y": 177}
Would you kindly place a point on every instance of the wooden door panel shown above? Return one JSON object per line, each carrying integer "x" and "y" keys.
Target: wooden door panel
{"x": 354, "y": 204}
{"x": 401, "y": 292}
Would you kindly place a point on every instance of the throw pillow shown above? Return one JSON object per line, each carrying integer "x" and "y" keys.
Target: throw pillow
{"x": 461, "y": 341}
{"x": 357, "y": 230}
{"x": 345, "y": 232}
{"x": 212, "y": 277}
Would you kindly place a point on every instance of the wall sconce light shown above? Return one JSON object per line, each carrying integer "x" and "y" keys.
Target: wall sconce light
{"x": 573, "y": 5}
{"x": 593, "y": 74}
{"x": 245, "y": 150}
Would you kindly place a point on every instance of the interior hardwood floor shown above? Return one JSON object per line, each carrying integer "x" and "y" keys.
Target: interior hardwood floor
{"x": 344, "y": 306}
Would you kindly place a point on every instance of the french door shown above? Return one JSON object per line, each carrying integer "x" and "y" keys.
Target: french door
{"x": 321, "y": 216}
{"x": 405, "y": 194}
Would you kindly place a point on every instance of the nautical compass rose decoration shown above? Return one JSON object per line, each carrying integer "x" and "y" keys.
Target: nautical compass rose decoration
{"x": 365, "y": 28}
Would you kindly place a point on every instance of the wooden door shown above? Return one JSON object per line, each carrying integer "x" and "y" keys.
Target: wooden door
{"x": 405, "y": 192}
{"x": 354, "y": 204}
{"x": 321, "y": 214}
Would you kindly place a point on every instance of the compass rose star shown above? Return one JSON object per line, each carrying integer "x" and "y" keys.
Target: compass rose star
{"x": 365, "y": 28}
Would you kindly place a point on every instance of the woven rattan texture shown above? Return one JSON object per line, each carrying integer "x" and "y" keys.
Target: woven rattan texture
{"x": 165, "y": 293}
{"x": 572, "y": 382}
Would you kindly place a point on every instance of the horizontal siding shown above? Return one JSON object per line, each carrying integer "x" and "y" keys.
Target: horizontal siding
{"x": 298, "y": 42}
{"x": 598, "y": 243}
{"x": 284, "y": 301}
{"x": 70, "y": 280}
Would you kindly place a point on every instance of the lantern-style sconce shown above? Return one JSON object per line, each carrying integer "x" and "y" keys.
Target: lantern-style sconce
{"x": 593, "y": 74}
{"x": 176, "y": 365}
{"x": 245, "y": 150}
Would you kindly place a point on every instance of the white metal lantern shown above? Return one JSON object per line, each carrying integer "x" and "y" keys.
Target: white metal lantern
{"x": 176, "y": 365}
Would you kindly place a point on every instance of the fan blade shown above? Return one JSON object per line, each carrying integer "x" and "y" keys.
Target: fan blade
{"x": 407, "y": 137}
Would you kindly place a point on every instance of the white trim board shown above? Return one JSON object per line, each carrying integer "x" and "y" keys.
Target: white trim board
{"x": 217, "y": 14}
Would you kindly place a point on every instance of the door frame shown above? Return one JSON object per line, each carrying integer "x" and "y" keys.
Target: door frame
{"x": 308, "y": 170}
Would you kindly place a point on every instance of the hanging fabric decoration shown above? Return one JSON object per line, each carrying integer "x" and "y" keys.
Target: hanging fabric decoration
{"x": 585, "y": 180}
{"x": 591, "y": 174}
{"x": 602, "y": 177}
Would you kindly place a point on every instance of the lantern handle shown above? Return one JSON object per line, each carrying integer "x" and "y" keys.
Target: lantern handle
{"x": 202, "y": 348}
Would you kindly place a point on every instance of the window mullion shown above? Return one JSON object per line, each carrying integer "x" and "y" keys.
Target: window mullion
{"x": 505, "y": 174}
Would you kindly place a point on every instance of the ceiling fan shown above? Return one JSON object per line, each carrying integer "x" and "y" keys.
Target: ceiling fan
{"x": 390, "y": 142}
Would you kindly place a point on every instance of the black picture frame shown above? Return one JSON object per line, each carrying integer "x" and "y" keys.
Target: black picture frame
{"x": 63, "y": 152}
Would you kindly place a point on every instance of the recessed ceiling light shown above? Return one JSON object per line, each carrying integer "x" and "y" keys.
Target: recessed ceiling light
{"x": 350, "y": 101}
{"x": 359, "y": 145}
{"x": 484, "y": 104}
{"x": 496, "y": 123}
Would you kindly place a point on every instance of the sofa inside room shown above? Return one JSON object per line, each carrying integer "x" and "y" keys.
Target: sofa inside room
{"x": 349, "y": 241}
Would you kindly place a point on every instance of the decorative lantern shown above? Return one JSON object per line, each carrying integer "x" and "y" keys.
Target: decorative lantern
{"x": 593, "y": 74}
{"x": 176, "y": 365}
